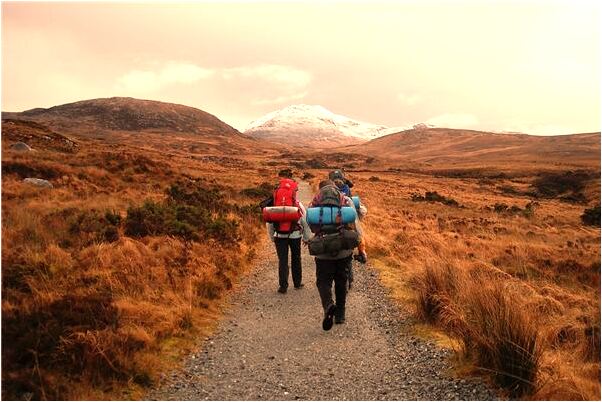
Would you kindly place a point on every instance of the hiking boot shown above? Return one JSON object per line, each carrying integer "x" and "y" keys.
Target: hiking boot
{"x": 299, "y": 286}
{"x": 339, "y": 317}
{"x": 328, "y": 316}
{"x": 281, "y": 290}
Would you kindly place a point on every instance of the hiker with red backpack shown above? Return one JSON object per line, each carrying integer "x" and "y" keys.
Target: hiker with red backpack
{"x": 333, "y": 218}
{"x": 286, "y": 225}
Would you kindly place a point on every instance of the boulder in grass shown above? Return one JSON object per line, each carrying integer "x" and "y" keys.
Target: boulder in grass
{"x": 20, "y": 146}
{"x": 38, "y": 182}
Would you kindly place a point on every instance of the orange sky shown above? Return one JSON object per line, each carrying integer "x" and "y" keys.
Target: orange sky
{"x": 530, "y": 66}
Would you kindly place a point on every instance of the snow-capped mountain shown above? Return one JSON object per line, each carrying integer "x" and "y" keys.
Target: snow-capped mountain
{"x": 314, "y": 125}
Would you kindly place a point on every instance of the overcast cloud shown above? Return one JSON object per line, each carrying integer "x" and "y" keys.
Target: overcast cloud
{"x": 531, "y": 66}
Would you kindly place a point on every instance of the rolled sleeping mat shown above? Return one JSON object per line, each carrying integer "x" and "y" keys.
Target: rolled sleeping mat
{"x": 328, "y": 215}
{"x": 281, "y": 214}
{"x": 356, "y": 201}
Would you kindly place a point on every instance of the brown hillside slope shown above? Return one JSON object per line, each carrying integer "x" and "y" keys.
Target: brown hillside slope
{"x": 442, "y": 146}
{"x": 121, "y": 118}
{"x": 36, "y": 135}
{"x": 145, "y": 123}
{"x": 129, "y": 114}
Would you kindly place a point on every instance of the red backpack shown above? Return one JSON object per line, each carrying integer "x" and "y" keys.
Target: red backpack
{"x": 285, "y": 220}
{"x": 285, "y": 194}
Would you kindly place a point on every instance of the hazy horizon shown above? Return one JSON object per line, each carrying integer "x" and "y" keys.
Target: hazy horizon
{"x": 531, "y": 67}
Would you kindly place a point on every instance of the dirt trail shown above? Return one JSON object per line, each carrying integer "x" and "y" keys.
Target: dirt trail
{"x": 272, "y": 346}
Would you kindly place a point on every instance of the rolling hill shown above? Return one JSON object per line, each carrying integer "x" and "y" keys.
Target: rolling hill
{"x": 442, "y": 146}
{"x": 138, "y": 121}
{"x": 127, "y": 114}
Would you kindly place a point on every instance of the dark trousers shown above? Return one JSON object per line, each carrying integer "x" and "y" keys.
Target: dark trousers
{"x": 282, "y": 246}
{"x": 328, "y": 271}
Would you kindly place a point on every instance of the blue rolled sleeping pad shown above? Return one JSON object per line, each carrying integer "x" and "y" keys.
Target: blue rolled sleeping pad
{"x": 328, "y": 215}
{"x": 356, "y": 201}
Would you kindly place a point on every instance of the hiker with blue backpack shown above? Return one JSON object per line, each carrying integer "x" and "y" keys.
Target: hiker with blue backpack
{"x": 286, "y": 225}
{"x": 343, "y": 184}
{"x": 333, "y": 219}
{"x": 361, "y": 210}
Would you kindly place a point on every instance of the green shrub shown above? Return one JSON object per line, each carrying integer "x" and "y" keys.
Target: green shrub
{"x": 550, "y": 185}
{"x": 251, "y": 210}
{"x": 188, "y": 214}
{"x": 148, "y": 219}
{"x": 433, "y": 196}
{"x": 114, "y": 218}
{"x": 591, "y": 216}
{"x": 286, "y": 173}
{"x": 264, "y": 190}
{"x": 154, "y": 219}
{"x": 527, "y": 212}
{"x": 92, "y": 226}
{"x": 197, "y": 195}
{"x": 223, "y": 229}
{"x": 307, "y": 176}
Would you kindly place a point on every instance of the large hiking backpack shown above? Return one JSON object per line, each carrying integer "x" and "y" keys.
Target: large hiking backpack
{"x": 331, "y": 237}
{"x": 329, "y": 196}
{"x": 343, "y": 186}
{"x": 284, "y": 212}
{"x": 336, "y": 175}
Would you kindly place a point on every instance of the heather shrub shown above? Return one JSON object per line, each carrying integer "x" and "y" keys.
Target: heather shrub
{"x": 285, "y": 173}
{"x": 188, "y": 213}
{"x": 591, "y": 216}
{"x": 92, "y": 226}
{"x": 315, "y": 163}
{"x": 550, "y": 185}
{"x": 264, "y": 190}
{"x": 197, "y": 195}
{"x": 433, "y": 196}
{"x": 223, "y": 229}
{"x": 527, "y": 212}
{"x": 40, "y": 170}
{"x": 155, "y": 219}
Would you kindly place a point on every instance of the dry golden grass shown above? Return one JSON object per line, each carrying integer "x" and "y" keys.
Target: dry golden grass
{"x": 519, "y": 292}
{"x": 89, "y": 312}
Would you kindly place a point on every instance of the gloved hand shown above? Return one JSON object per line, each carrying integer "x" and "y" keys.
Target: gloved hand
{"x": 361, "y": 257}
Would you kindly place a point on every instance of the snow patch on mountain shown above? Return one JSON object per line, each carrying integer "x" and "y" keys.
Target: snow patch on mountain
{"x": 316, "y": 119}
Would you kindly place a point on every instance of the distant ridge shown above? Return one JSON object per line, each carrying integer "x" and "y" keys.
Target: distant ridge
{"x": 444, "y": 145}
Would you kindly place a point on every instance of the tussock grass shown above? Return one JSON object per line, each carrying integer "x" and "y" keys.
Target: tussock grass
{"x": 519, "y": 293}
{"x": 481, "y": 312}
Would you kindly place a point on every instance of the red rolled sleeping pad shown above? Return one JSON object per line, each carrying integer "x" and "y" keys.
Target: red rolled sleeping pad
{"x": 281, "y": 214}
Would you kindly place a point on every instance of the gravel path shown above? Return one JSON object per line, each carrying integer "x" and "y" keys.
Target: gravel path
{"x": 272, "y": 346}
